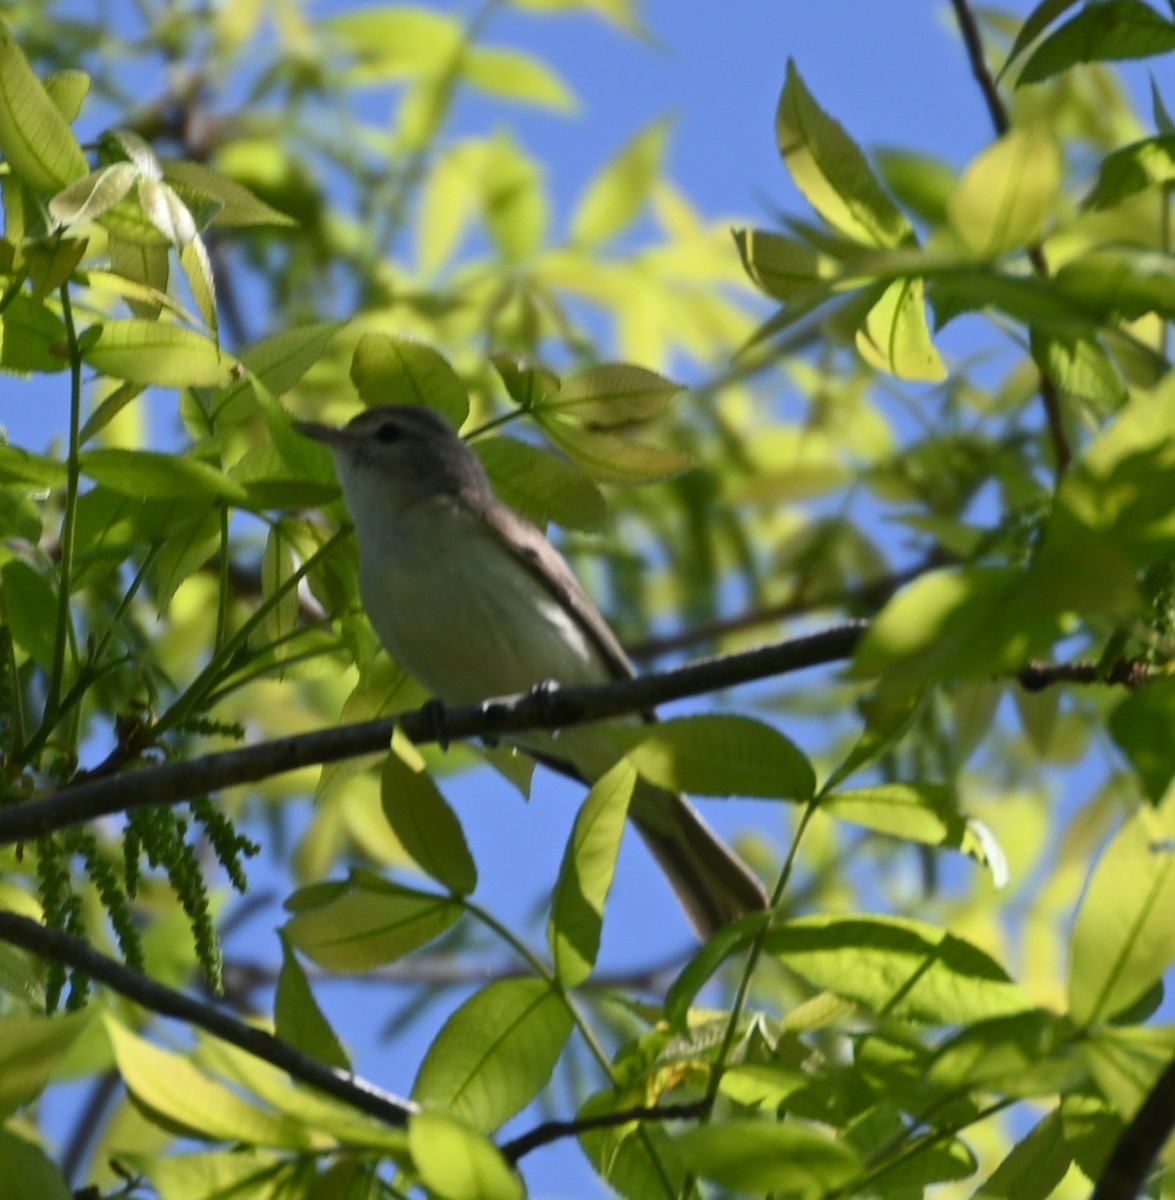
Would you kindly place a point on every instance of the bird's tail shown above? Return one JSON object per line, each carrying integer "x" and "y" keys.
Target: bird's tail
{"x": 713, "y": 884}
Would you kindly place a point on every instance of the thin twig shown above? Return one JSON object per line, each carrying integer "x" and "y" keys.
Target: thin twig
{"x": 60, "y": 947}
{"x": 551, "y": 1131}
{"x": 1000, "y": 120}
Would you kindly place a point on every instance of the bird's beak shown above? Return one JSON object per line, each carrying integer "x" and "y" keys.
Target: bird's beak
{"x": 329, "y": 434}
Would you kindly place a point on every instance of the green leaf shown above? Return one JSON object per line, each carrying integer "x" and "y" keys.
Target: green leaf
{"x": 27, "y": 600}
{"x": 30, "y": 1048}
{"x": 426, "y": 826}
{"x": 720, "y": 755}
{"x": 142, "y": 263}
{"x": 896, "y": 338}
{"x": 1122, "y": 281}
{"x": 1007, "y": 194}
{"x": 1123, "y": 937}
{"x": 612, "y": 457}
{"x": 33, "y": 337}
{"x": 23, "y": 466}
{"x": 158, "y": 355}
{"x": 527, "y": 384}
{"x": 297, "y": 1018}
{"x": 1105, "y": 32}
{"x": 150, "y": 473}
{"x": 896, "y": 967}
{"x": 1080, "y": 367}
{"x": 1028, "y": 1054}
{"x": 35, "y": 139}
{"x": 1133, "y": 169}
{"x": 237, "y": 206}
{"x": 615, "y": 197}
{"x": 495, "y": 1053}
{"x": 768, "y": 1156}
{"x": 513, "y": 199}
{"x": 68, "y": 90}
{"x": 1034, "y": 1167}
{"x": 177, "y": 1095}
{"x": 781, "y": 266}
{"x": 616, "y": 394}
{"x": 278, "y": 564}
{"x": 728, "y": 941}
{"x": 540, "y": 486}
{"x": 393, "y": 42}
{"x": 369, "y": 923}
{"x": 514, "y": 75}
{"x": 276, "y": 364}
{"x": 1127, "y": 1062}
{"x": 585, "y": 875}
{"x": 1141, "y": 724}
{"x": 456, "y": 1162}
{"x": 916, "y": 812}
{"x": 201, "y": 283}
{"x": 26, "y": 1170}
{"x": 51, "y": 263}
{"x": 1043, "y": 15}
{"x": 829, "y": 168}
{"x": 393, "y": 370}
{"x": 956, "y": 624}
{"x": 89, "y": 197}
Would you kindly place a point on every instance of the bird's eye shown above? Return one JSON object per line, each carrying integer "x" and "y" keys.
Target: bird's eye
{"x": 388, "y": 432}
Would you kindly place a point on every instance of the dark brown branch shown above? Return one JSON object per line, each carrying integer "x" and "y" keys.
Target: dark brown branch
{"x": 1125, "y": 1173}
{"x": 552, "y": 1131}
{"x": 1128, "y": 672}
{"x": 969, "y": 28}
{"x": 167, "y": 1002}
{"x": 553, "y": 709}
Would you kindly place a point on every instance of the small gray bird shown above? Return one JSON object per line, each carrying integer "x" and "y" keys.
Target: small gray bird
{"x": 474, "y": 601}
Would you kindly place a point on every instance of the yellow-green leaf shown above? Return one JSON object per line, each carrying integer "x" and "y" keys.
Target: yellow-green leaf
{"x": 1124, "y": 937}
{"x": 369, "y": 923}
{"x": 152, "y": 353}
{"x": 1006, "y": 195}
{"x": 896, "y": 337}
{"x": 585, "y": 876}
{"x": 720, "y": 755}
{"x": 495, "y": 1053}
{"x": 35, "y": 139}
{"x": 456, "y": 1162}
{"x": 831, "y": 171}
{"x": 513, "y": 75}
{"x": 426, "y": 826}
{"x": 392, "y": 370}
{"x": 618, "y": 193}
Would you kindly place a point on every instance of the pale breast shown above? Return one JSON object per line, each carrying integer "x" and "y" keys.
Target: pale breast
{"x": 462, "y": 615}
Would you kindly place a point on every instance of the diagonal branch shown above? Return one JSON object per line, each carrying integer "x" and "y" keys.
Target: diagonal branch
{"x": 1001, "y": 122}
{"x": 550, "y": 709}
{"x": 61, "y": 947}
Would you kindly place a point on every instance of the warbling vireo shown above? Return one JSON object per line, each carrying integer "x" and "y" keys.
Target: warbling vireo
{"x": 474, "y": 601}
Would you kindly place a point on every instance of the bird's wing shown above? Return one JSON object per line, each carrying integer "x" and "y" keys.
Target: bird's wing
{"x": 532, "y": 549}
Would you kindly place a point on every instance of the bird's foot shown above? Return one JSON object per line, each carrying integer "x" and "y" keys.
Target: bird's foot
{"x": 436, "y": 717}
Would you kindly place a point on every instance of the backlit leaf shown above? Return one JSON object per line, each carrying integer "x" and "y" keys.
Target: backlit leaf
{"x": 495, "y": 1053}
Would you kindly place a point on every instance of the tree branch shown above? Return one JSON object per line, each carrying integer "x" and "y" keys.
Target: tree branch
{"x": 999, "y": 119}
{"x": 1133, "y": 1157}
{"x": 551, "y": 1131}
{"x": 550, "y": 709}
{"x": 74, "y": 952}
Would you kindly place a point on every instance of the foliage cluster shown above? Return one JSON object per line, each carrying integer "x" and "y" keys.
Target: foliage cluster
{"x": 245, "y": 246}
